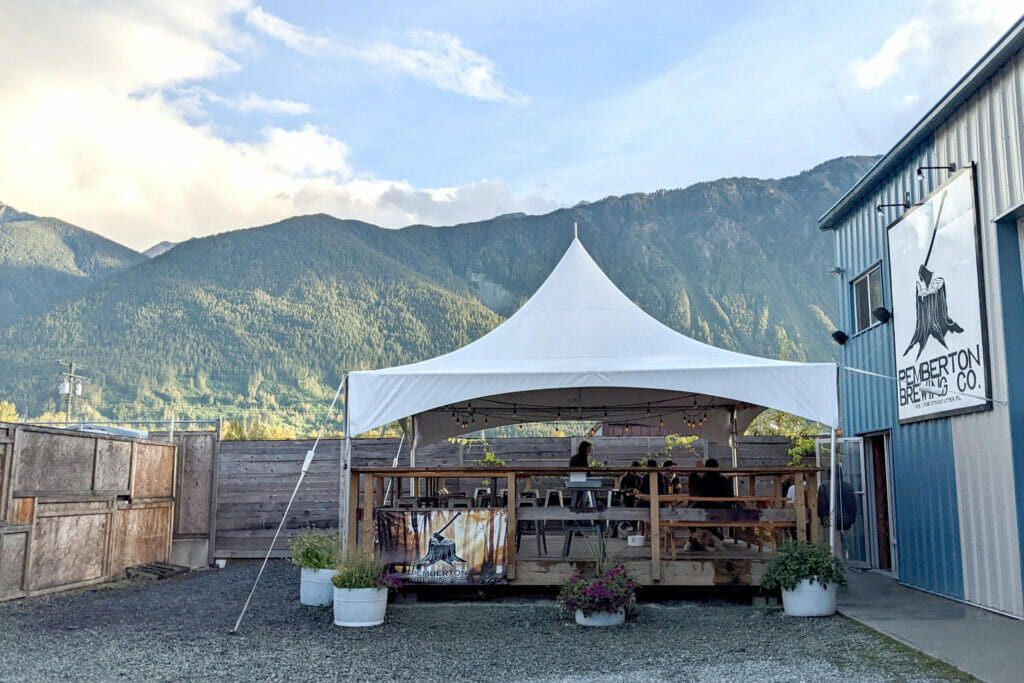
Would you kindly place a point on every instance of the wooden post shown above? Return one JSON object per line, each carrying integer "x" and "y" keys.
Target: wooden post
{"x": 353, "y": 509}
{"x": 812, "y": 504}
{"x": 369, "y": 491}
{"x": 655, "y": 527}
{"x": 510, "y": 528}
{"x": 800, "y": 503}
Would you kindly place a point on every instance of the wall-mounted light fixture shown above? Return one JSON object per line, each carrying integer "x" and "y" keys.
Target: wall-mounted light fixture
{"x": 835, "y": 270}
{"x": 906, "y": 204}
{"x": 840, "y": 337}
{"x": 951, "y": 167}
{"x": 882, "y": 314}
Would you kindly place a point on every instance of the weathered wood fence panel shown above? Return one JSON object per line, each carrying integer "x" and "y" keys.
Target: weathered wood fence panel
{"x": 79, "y": 508}
{"x": 195, "y": 497}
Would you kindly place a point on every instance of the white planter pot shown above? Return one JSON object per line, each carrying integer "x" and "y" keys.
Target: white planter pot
{"x": 360, "y": 606}
{"x": 315, "y": 587}
{"x": 810, "y": 600}
{"x": 636, "y": 540}
{"x": 615, "y": 618}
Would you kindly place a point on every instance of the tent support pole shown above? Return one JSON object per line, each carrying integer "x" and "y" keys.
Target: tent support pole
{"x": 344, "y": 480}
{"x": 832, "y": 493}
{"x": 735, "y": 452}
{"x": 412, "y": 460}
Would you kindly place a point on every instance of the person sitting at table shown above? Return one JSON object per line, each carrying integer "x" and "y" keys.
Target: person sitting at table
{"x": 581, "y": 459}
{"x": 713, "y": 485}
{"x": 693, "y": 482}
{"x": 629, "y": 485}
{"x": 667, "y": 480}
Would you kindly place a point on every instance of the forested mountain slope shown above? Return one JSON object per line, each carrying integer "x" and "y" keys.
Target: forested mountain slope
{"x": 267, "y": 319}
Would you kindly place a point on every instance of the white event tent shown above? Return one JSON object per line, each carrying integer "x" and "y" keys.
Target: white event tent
{"x": 580, "y": 349}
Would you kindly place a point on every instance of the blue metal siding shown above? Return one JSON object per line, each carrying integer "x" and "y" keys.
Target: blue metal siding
{"x": 1012, "y": 280}
{"x": 923, "y": 488}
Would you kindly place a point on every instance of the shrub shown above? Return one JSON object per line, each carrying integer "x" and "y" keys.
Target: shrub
{"x": 608, "y": 592}
{"x": 803, "y": 447}
{"x": 315, "y": 550}
{"x": 360, "y": 568}
{"x": 799, "y": 560}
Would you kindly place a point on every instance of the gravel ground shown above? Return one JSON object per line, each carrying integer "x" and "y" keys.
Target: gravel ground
{"x": 178, "y": 629}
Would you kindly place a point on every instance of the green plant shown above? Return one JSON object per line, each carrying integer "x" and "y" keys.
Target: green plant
{"x": 799, "y": 560}
{"x": 607, "y": 592}
{"x": 802, "y": 447}
{"x": 315, "y": 550}
{"x": 360, "y": 568}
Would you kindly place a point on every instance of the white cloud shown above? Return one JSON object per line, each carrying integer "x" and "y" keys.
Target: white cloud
{"x": 436, "y": 58}
{"x": 912, "y": 39}
{"x": 289, "y": 34}
{"x": 97, "y": 126}
{"x": 442, "y": 60}
{"x": 253, "y": 102}
{"x": 944, "y": 37}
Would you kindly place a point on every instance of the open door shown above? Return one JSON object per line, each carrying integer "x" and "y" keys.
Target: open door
{"x": 850, "y": 456}
{"x": 880, "y": 532}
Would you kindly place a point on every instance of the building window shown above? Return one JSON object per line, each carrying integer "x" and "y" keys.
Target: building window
{"x": 867, "y": 296}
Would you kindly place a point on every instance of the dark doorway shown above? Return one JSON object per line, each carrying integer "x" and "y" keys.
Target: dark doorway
{"x": 876, "y": 452}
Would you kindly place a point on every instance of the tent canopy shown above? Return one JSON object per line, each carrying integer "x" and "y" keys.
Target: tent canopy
{"x": 580, "y": 349}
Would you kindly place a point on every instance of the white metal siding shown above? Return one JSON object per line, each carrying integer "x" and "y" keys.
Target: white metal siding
{"x": 987, "y": 130}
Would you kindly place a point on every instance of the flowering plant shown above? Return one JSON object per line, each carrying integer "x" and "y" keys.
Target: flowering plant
{"x": 608, "y": 592}
{"x": 360, "y": 568}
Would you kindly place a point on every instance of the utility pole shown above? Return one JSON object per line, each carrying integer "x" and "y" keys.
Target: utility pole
{"x": 69, "y": 387}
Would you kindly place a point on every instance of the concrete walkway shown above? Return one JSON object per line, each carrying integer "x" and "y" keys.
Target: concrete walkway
{"x": 982, "y": 643}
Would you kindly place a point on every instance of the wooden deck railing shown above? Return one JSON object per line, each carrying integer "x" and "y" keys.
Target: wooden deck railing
{"x": 760, "y": 516}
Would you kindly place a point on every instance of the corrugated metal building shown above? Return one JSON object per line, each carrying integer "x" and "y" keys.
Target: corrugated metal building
{"x": 943, "y": 488}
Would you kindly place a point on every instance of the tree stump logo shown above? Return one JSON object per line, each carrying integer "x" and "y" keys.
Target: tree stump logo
{"x": 440, "y": 549}
{"x": 933, "y": 319}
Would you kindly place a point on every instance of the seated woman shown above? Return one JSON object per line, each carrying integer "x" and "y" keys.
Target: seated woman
{"x": 582, "y": 457}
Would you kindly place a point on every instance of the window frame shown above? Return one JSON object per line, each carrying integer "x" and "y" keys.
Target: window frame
{"x": 865, "y": 277}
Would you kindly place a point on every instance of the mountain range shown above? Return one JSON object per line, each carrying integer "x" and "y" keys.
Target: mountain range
{"x": 266, "y": 320}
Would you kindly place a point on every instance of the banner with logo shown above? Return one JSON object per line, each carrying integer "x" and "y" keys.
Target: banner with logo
{"x": 938, "y": 311}
{"x": 444, "y": 546}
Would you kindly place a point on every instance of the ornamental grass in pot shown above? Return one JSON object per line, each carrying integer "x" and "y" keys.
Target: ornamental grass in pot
{"x": 808, "y": 575}
{"x": 316, "y": 552}
{"x": 361, "y": 587}
{"x": 601, "y": 600}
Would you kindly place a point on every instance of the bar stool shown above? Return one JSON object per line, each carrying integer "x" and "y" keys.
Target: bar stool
{"x": 536, "y": 527}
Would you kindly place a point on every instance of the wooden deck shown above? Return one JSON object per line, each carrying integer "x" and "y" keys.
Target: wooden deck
{"x": 752, "y": 526}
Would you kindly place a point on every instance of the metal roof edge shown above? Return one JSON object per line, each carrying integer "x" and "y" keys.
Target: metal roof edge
{"x": 1010, "y": 43}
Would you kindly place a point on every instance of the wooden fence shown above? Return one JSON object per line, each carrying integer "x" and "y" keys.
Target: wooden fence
{"x": 256, "y": 478}
{"x": 79, "y": 508}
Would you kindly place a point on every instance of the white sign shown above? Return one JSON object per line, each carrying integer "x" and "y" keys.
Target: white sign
{"x": 940, "y": 340}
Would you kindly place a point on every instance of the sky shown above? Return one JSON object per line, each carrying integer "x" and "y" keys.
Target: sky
{"x": 147, "y": 121}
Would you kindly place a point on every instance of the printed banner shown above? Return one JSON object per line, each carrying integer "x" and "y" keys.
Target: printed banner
{"x": 938, "y": 317}
{"x": 444, "y": 546}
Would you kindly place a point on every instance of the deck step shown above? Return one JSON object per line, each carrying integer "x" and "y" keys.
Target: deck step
{"x": 156, "y": 570}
